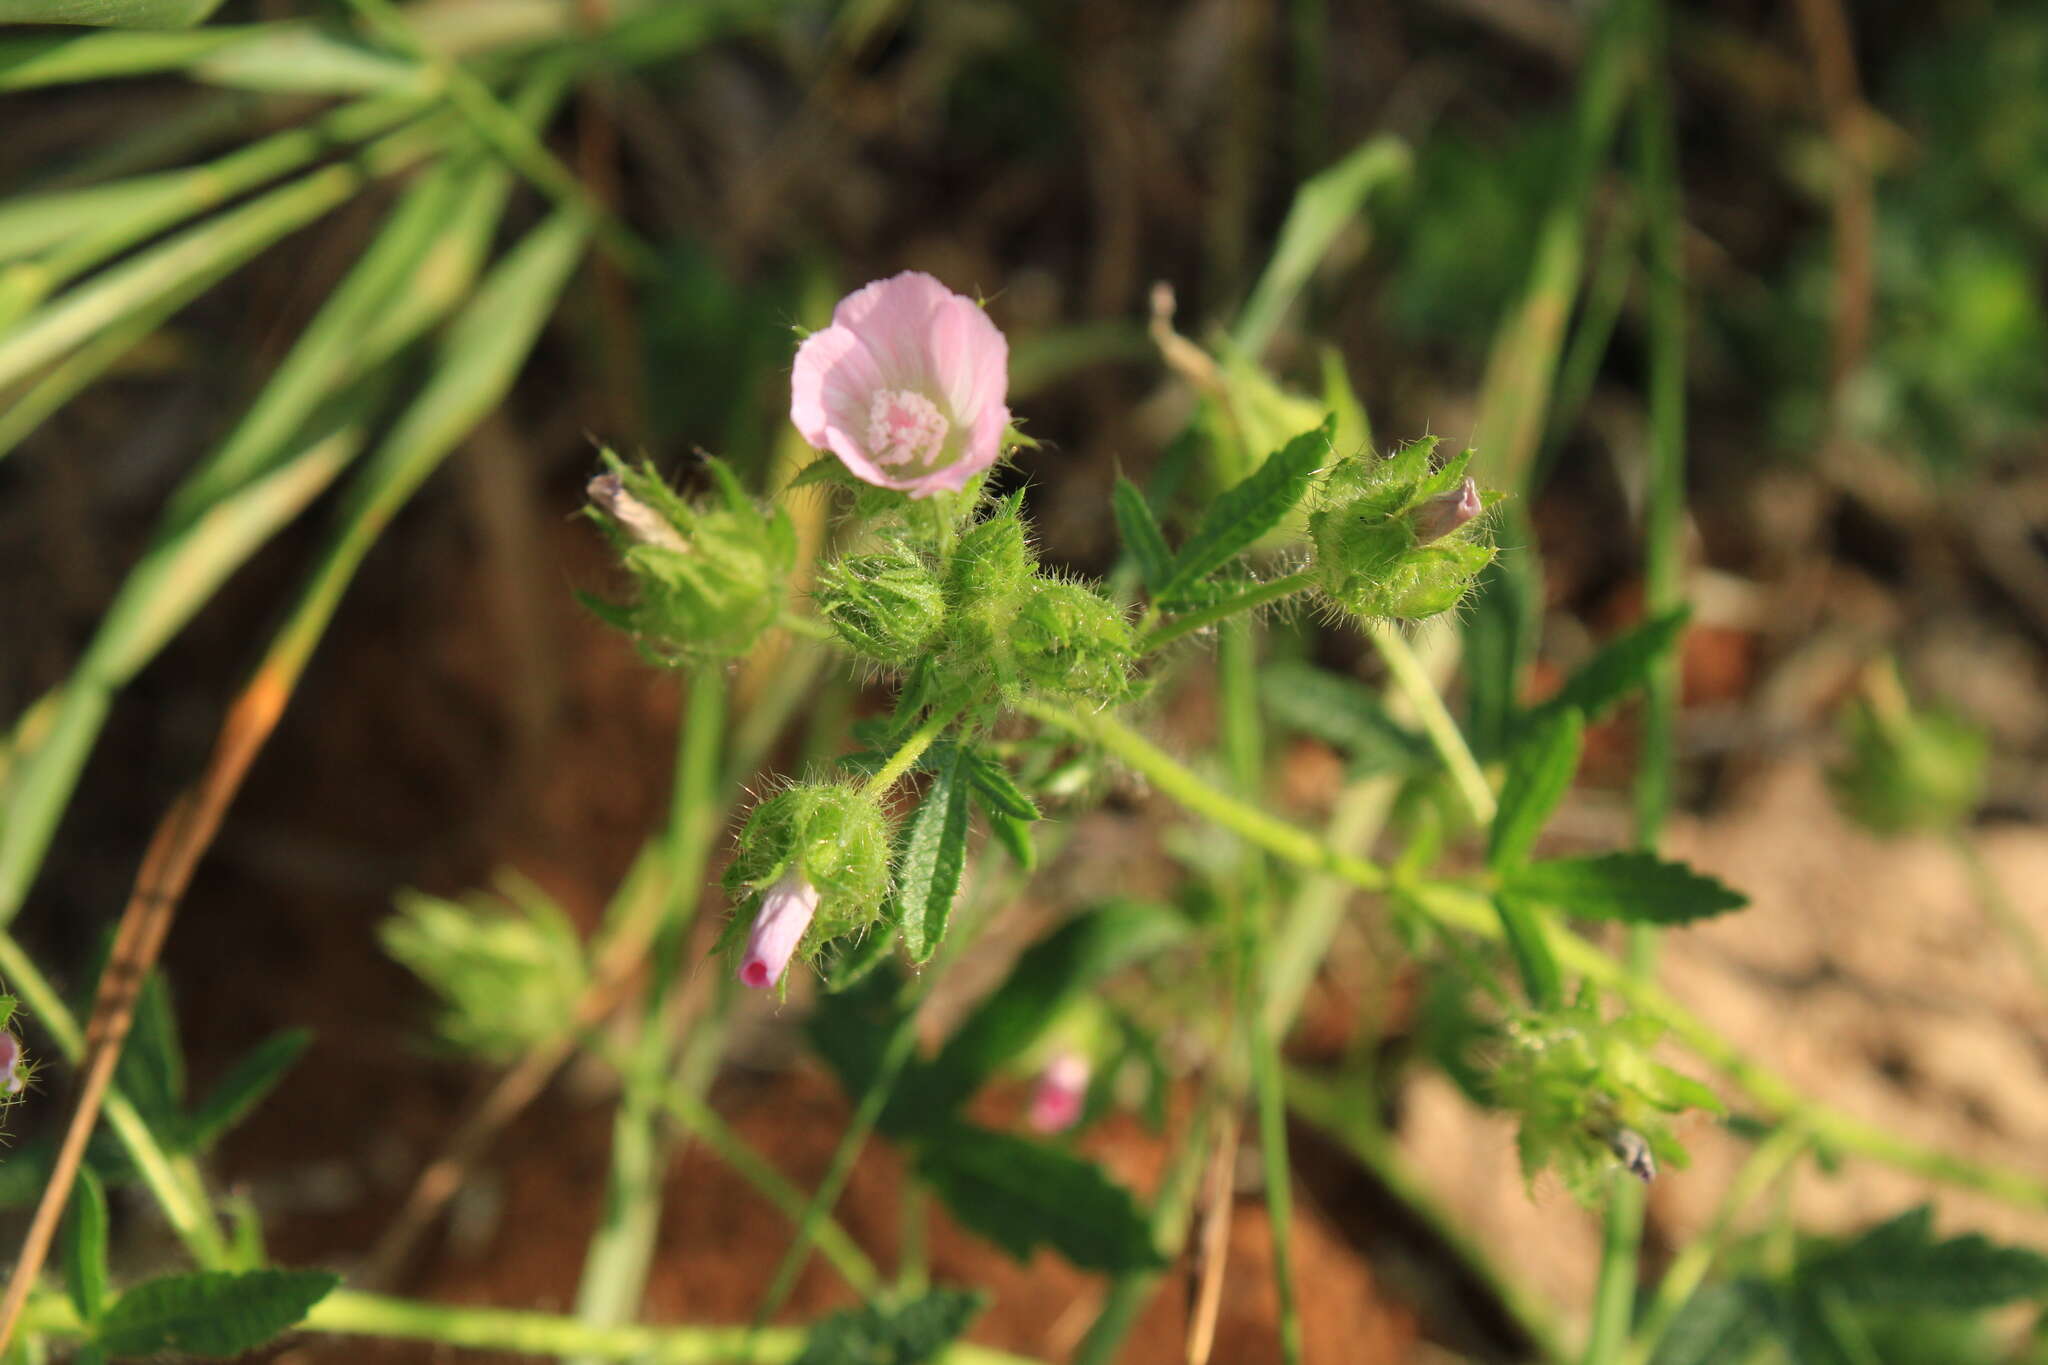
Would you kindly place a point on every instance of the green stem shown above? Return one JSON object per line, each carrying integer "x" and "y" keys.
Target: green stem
{"x": 1664, "y": 589}
{"x": 705, "y": 1124}
{"x": 1444, "y": 735}
{"x": 517, "y": 1332}
{"x": 1470, "y": 911}
{"x": 174, "y": 1180}
{"x": 1772, "y": 1157}
{"x": 616, "y": 1262}
{"x": 1251, "y": 913}
{"x": 912, "y": 749}
{"x": 1155, "y": 637}
{"x": 895, "y": 1055}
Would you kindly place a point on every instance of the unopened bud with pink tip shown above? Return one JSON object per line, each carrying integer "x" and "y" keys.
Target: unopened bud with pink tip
{"x": 1060, "y": 1093}
{"x": 13, "y": 1070}
{"x": 787, "y": 909}
{"x": 1446, "y": 512}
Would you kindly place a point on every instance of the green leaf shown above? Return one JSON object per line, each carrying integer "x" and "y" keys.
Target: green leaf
{"x": 108, "y": 13}
{"x": 1022, "y": 1195}
{"x": 85, "y": 1246}
{"x": 244, "y": 1087}
{"x": 1015, "y": 837}
{"x": 911, "y": 1335}
{"x": 1056, "y": 969}
{"x": 1322, "y": 207}
{"x": 1621, "y": 666}
{"x": 1898, "y": 1264}
{"x": 1494, "y": 644}
{"x": 1236, "y": 520}
{"x": 855, "y": 960}
{"x": 1344, "y": 713}
{"x": 151, "y": 1071}
{"x": 934, "y": 856}
{"x": 1638, "y": 887}
{"x": 994, "y": 788}
{"x": 1721, "y": 1324}
{"x": 212, "y": 1313}
{"x": 1540, "y": 771}
{"x": 1522, "y": 926}
{"x": 1140, "y": 533}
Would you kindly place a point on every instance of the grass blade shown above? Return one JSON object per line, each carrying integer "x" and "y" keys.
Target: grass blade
{"x": 108, "y": 13}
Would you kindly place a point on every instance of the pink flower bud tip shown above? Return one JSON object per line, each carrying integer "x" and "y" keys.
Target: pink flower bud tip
{"x": 906, "y": 387}
{"x": 608, "y": 493}
{"x": 786, "y": 910}
{"x": 1446, "y": 512}
{"x": 1061, "y": 1091}
{"x": 11, "y": 1078}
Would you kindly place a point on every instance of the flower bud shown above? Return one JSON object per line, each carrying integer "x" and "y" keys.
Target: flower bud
{"x": 787, "y": 909}
{"x": 1059, "y": 1094}
{"x": 13, "y": 1065}
{"x": 1446, "y": 512}
{"x": 832, "y": 837}
{"x": 1070, "y": 642}
{"x": 710, "y": 577}
{"x": 1394, "y": 539}
{"x": 885, "y": 606}
{"x": 992, "y": 566}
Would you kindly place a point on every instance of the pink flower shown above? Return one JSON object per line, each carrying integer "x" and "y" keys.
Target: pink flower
{"x": 906, "y": 386}
{"x": 786, "y": 910}
{"x": 1058, "y": 1096}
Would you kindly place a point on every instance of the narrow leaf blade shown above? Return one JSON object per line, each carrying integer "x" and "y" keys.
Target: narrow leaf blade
{"x": 1236, "y": 520}
{"x": 244, "y": 1086}
{"x": 1540, "y": 770}
{"x": 85, "y": 1246}
{"x": 1621, "y": 666}
{"x": 1522, "y": 925}
{"x": 1140, "y": 533}
{"x": 213, "y": 1313}
{"x": 1637, "y": 887}
{"x": 934, "y": 857}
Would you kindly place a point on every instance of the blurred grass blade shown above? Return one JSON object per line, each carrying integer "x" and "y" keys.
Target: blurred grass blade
{"x": 1324, "y": 204}
{"x": 479, "y": 357}
{"x": 304, "y": 59}
{"x": 416, "y": 269}
{"x": 90, "y": 226}
{"x": 108, "y": 13}
{"x": 228, "y": 239}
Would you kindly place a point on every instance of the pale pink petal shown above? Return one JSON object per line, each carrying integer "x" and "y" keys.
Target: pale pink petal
{"x": 834, "y": 376}
{"x": 786, "y": 911}
{"x": 893, "y": 317}
{"x": 855, "y": 457}
{"x": 970, "y": 360}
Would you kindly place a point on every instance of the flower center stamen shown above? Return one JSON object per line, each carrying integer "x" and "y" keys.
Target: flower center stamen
{"x": 905, "y": 427}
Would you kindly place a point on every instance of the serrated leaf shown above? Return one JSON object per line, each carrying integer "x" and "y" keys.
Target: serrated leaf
{"x": 85, "y": 1246}
{"x": 1051, "y": 972}
{"x": 1015, "y": 837}
{"x": 1022, "y": 1195}
{"x": 911, "y": 1335}
{"x": 1236, "y": 520}
{"x": 1540, "y": 770}
{"x": 1140, "y": 533}
{"x": 1522, "y": 927}
{"x": 1721, "y": 1324}
{"x": 994, "y": 788}
{"x": 1621, "y": 666}
{"x": 212, "y": 1313}
{"x": 1898, "y": 1264}
{"x": 934, "y": 857}
{"x": 244, "y": 1086}
{"x": 1345, "y": 713}
{"x": 1638, "y": 887}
